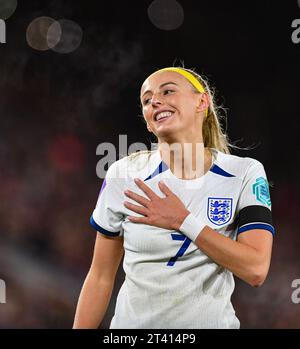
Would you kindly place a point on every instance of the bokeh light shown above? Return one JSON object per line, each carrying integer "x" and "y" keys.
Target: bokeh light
{"x": 37, "y": 31}
{"x": 7, "y": 8}
{"x": 54, "y": 34}
{"x": 166, "y": 14}
{"x": 69, "y": 34}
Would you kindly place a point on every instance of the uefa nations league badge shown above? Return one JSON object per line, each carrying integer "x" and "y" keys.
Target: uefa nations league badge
{"x": 219, "y": 210}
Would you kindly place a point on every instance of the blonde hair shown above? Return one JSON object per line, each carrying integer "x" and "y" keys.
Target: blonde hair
{"x": 213, "y": 133}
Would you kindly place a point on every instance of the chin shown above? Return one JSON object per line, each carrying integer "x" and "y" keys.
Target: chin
{"x": 167, "y": 134}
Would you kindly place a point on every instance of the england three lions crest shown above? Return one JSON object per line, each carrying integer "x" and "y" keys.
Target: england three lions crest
{"x": 219, "y": 210}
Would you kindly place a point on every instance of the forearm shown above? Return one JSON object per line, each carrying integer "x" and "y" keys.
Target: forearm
{"x": 242, "y": 260}
{"x": 93, "y": 302}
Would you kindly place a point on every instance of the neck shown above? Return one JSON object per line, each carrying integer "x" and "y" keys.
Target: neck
{"x": 186, "y": 160}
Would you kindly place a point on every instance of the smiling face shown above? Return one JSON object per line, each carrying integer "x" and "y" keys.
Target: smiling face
{"x": 171, "y": 106}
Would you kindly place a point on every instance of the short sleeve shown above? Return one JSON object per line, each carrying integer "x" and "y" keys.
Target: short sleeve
{"x": 254, "y": 204}
{"x": 107, "y": 217}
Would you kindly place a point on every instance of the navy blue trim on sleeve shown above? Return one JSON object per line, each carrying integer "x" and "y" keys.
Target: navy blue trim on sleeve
{"x": 102, "y": 230}
{"x": 255, "y": 217}
{"x": 251, "y": 226}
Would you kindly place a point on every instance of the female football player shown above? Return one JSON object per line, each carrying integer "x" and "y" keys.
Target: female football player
{"x": 187, "y": 216}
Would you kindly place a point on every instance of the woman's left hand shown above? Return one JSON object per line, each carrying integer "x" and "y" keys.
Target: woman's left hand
{"x": 168, "y": 213}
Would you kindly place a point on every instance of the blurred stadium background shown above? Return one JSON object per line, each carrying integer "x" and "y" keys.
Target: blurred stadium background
{"x": 58, "y": 102}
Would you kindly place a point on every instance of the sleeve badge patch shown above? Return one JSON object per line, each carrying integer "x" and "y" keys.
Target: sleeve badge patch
{"x": 261, "y": 190}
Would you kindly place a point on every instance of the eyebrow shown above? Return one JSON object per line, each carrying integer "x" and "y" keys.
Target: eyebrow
{"x": 162, "y": 85}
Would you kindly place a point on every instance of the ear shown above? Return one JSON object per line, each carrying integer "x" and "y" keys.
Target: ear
{"x": 203, "y": 103}
{"x": 148, "y": 128}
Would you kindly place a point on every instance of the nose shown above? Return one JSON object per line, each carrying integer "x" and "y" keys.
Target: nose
{"x": 155, "y": 99}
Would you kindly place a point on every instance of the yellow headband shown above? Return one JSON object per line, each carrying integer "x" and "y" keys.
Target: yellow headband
{"x": 190, "y": 77}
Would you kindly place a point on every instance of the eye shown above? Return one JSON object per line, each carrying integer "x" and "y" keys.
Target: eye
{"x": 165, "y": 91}
{"x": 146, "y": 101}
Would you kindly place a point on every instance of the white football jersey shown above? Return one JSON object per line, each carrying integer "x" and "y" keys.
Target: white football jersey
{"x": 170, "y": 282}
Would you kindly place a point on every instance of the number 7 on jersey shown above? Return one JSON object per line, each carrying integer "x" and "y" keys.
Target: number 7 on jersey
{"x": 186, "y": 243}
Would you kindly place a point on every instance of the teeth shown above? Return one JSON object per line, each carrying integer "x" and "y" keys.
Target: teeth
{"x": 163, "y": 115}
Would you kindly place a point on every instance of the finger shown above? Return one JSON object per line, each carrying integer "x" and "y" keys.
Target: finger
{"x": 135, "y": 208}
{"x": 150, "y": 193}
{"x": 142, "y": 220}
{"x": 138, "y": 198}
{"x": 164, "y": 188}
